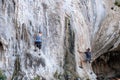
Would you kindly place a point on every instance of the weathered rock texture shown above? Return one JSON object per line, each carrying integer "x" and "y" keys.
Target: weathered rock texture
{"x": 68, "y": 26}
{"x": 106, "y": 44}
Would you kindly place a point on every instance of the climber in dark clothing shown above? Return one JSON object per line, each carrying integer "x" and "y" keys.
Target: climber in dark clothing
{"x": 88, "y": 55}
{"x": 38, "y": 40}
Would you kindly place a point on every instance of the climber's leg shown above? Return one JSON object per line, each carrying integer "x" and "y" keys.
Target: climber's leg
{"x": 40, "y": 45}
{"x": 35, "y": 44}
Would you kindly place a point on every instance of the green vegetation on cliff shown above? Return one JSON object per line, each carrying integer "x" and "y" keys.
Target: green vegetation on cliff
{"x": 2, "y": 76}
{"x": 117, "y": 2}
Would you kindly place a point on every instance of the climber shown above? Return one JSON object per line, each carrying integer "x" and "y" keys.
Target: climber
{"x": 38, "y": 40}
{"x": 88, "y": 55}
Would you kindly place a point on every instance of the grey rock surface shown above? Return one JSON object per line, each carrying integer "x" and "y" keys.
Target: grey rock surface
{"x": 68, "y": 26}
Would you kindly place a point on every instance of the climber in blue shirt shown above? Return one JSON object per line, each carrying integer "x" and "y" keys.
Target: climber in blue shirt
{"x": 88, "y": 55}
{"x": 38, "y": 40}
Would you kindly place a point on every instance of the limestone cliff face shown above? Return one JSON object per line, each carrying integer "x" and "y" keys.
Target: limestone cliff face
{"x": 68, "y": 26}
{"x": 106, "y": 44}
{"x": 107, "y": 37}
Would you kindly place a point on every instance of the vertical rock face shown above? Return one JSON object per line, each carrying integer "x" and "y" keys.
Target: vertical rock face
{"x": 68, "y": 26}
{"x": 106, "y": 46}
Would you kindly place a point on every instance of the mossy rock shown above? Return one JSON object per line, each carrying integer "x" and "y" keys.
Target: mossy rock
{"x": 37, "y": 78}
{"x": 2, "y": 76}
{"x": 117, "y": 2}
{"x": 17, "y": 69}
{"x": 56, "y": 74}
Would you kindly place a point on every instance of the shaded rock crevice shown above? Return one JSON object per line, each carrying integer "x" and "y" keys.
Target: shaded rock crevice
{"x": 107, "y": 65}
{"x": 16, "y": 74}
{"x": 69, "y": 59}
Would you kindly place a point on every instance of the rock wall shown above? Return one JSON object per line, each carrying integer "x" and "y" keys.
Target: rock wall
{"x": 107, "y": 37}
{"x": 68, "y": 26}
{"x": 106, "y": 46}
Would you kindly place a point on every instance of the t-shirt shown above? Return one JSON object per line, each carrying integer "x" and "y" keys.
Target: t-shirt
{"x": 38, "y": 39}
{"x": 88, "y": 55}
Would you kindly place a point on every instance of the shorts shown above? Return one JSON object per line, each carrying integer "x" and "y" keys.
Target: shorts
{"x": 88, "y": 59}
{"x": 38, "y": 44}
